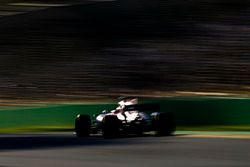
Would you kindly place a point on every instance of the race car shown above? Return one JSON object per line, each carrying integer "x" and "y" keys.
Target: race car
{"x": 128, "y": 118}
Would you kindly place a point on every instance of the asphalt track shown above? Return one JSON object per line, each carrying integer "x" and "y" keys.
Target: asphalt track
{"x": 63, "y": 149}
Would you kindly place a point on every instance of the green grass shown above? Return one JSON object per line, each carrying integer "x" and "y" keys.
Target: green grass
{"x": 22, "y": 129}
{"x": 66, "y": 128}
{"x": 215, "y": 128}
{"x": 193, "y": 114}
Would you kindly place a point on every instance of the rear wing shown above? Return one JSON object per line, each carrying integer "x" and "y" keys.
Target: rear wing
{"x": 143, "y": 107}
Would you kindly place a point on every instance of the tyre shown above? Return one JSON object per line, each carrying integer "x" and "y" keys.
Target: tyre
{"x": 138, "y": 128}
{"x": 82, "y": 125}
{"x": 164, "y": 124}
{"x": 111, "y": 126}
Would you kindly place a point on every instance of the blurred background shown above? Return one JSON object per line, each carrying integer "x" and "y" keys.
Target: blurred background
{"x": 104, "y": 49}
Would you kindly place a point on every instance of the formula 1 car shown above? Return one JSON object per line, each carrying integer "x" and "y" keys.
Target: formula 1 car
{"x": 128, "y": 118}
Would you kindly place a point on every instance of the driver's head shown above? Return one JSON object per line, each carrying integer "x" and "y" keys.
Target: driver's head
{"x": 128, "y": 101}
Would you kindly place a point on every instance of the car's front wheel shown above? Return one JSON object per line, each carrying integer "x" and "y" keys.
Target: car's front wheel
{"x": 82, "y": 125}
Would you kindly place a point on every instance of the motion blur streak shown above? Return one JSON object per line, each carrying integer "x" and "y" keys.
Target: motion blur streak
{"x": 142, "y": 47}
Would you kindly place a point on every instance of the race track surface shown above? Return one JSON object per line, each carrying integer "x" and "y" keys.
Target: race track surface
{"x": 64, "y": 150}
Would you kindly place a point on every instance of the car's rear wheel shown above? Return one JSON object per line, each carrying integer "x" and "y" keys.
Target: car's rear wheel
{"x": 82, "y": 125}
{"x": 164, "y": 124}
{"x": 111, "y": 126}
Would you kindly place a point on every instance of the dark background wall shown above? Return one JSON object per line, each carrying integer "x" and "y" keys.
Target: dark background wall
{"x": 142, "y": 47}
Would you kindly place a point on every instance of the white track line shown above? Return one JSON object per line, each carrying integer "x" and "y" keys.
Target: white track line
{"x": 37, "y": 4}
{"x": 217, "y": 136}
